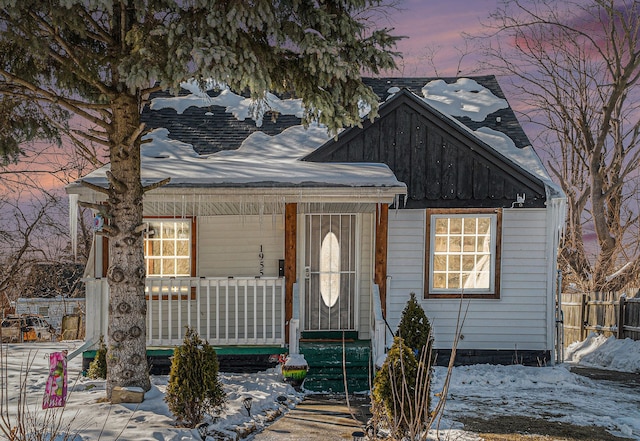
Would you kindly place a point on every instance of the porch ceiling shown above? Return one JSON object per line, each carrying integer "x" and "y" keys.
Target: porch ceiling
{"x": 213, "y": 208}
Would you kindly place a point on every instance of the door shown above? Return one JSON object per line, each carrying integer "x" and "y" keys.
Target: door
{"x": 330, "y": 277}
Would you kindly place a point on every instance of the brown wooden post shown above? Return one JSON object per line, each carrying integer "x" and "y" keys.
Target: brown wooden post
{"x": 620, "y": 324}
{"x": 290, "y": 252}
{"x": 380, "y": 272}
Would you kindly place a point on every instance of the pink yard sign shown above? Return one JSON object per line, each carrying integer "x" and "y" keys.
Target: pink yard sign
{"x": 55, "y": 391}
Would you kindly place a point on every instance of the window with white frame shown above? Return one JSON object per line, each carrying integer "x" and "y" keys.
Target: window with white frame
{"x": 463, "y": 253}
{"x": 167, "y": 248}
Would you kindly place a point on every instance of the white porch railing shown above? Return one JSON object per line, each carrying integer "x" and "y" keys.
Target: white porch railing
{"x": 224, "y": 311}
{"x": 294, "y": 323}
{"x": 379, "y": 330}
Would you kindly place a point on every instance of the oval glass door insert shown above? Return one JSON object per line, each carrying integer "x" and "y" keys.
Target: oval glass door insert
{"x": 330, "y": 269}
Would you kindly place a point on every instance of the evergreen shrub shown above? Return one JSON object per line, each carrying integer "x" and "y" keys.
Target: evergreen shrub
{"x": 401, "y": 396}
{"x": 98, "y": 367}
{"x": 194, "y": 388}
{"x": 415, "y": 328}
{"x": 394, "y": 387}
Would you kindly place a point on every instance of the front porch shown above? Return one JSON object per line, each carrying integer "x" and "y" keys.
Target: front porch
{"x": 243, "y": 318}
{"x": 230, "y": 311}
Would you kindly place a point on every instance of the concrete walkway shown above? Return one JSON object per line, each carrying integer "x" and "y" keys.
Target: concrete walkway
{"x": 319, "y": 417}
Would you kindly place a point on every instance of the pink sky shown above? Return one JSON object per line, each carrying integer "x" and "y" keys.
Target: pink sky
{"x": 437, "y": 24}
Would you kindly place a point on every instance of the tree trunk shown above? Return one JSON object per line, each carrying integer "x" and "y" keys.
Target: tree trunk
{"x": 126, "y": 360}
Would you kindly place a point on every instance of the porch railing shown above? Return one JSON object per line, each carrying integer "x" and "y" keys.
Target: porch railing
{"x": 379, "y": 330}
{"x": 224, "y": 311}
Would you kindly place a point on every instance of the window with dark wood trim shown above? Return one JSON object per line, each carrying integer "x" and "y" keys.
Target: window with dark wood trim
{"x": 463, "y": 251}
{"x": 169, "y": 251}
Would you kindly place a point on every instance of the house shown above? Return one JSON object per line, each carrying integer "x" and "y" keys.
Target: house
{"x": 52, "y": 309}
{"x": 274, "y": 238}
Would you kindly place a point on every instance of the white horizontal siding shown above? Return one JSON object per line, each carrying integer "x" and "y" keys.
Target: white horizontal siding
{"x": 516, "y": 321}
{"x": 230, "y": 245}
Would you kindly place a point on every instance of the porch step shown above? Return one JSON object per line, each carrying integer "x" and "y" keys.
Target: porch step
{"x": 325, "y": 365}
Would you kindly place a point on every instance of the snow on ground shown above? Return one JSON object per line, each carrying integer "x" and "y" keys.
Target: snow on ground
{"x": 553, "y": 393}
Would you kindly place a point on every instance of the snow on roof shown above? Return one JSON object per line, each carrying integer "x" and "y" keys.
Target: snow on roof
{"x": 241, "y": 107}
{"x": 465, "y": 97}
{"x": 274, "y": 159}
{"x": 261, "y": 159}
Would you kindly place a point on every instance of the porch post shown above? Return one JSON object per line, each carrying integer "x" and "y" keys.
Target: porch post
{"x": 380, "y": 274}
{"x": 290, "y": 235}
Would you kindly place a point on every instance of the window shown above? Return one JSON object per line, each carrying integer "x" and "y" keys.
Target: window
{"x": 463, "y": 253}
{"x": 168, "y": 248}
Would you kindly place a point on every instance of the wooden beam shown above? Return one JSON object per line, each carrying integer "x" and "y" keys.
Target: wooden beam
{"x": 380, "y": 274}
{"x": 290, "y": 256}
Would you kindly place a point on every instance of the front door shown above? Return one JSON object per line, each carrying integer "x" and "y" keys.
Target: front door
{"x": 330, "y": 280}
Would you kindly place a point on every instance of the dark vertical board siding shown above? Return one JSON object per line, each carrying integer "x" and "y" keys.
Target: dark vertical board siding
{"x": 371, "y": 141}
{"x": 355, "y": 153}
{"x": 403, "y": 147}
{"x": 464, "y": 186}
{"x": 438, "y": 167}
{"x": 496, "y": 185}
{"x": 480, "y": 180}
{"x": 449, "y": 177}
{"x": 432, "y": 167}
{"x": 340, "y": 155}
{"x": 509, "y": 191}
{"x": 389, "y": 131}
{"x": 418, "y": 141}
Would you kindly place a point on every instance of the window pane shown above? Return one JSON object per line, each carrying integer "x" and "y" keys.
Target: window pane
{"x": 456, "y": 225}
{"x": 469, "y": 245}
{"x": 168, "y": 266}
{"x": 469, "y": 225}
{"x": 453, "y": 281}
{"x": 455, "y": 244}
{"x": 183, "y": 230}
{"x": 168, "y": 232}
{"x": 154, "y": 248}
{"x": 168, "y": 248}
{"x": 182, "y": 248}
{"x": 153, "y": 267}
{"x": 439, "y": 263}
{"x": 484, "y": 225}
{"x": 441, "y": 244}
{"x": 439, "y": 281}
{"x": 183, "y": 267}
{"x": 454, "y": 263}
{"x": 468, "y": 262}
{"x": 442, "y": 226}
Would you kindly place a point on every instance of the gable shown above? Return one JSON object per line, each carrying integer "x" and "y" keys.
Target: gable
{"x": 442, "y": 163}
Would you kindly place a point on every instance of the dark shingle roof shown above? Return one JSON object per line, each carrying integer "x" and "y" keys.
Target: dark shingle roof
{"x": 211, "y": 129}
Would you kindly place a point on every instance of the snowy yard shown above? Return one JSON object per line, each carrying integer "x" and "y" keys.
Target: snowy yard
{"x": 552, "y": 393}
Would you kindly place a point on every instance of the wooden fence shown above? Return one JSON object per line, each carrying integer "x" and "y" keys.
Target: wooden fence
{"x": 611, "y": 313}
